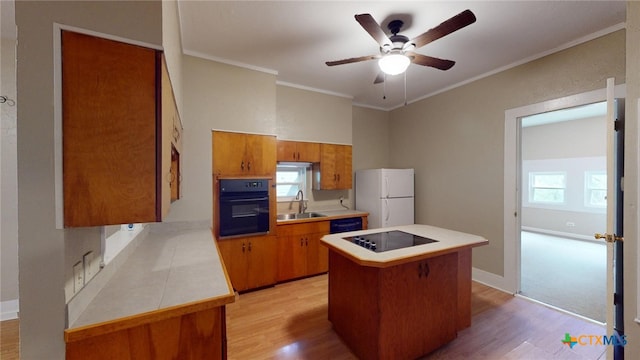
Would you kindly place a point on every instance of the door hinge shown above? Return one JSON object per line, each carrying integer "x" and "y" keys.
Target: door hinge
{"x": 618, "y": 125}
{"x": 617, "y": 299}
{"x": 622, "y": 183}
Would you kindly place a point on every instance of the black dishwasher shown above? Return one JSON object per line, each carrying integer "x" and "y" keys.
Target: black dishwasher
{"x": 344, "y": 225}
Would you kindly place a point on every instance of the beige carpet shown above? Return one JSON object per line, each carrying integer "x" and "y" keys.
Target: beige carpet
{"x": 566, "y": 273}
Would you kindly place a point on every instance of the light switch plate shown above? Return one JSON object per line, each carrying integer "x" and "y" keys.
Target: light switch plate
{"x": 78, "y": 276}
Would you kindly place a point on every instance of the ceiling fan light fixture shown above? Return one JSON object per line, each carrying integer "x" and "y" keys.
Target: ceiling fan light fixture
{"x": 394, "y": 64}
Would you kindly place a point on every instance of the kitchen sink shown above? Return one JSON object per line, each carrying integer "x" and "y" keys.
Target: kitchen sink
{"x": 296, "y": 216}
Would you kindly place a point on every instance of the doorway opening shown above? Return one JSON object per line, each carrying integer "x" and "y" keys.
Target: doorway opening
{"x": 563, "y": 203}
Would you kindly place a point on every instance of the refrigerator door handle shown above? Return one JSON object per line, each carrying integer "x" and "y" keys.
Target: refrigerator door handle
{"x": 386, "y": 181}
{"x": 388, "y": 211}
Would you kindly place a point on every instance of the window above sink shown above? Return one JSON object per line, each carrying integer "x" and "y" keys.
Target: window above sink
{"x": 290, "y": 178}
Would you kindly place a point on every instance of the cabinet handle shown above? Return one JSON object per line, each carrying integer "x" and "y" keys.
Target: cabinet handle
{"x": 249, "y": 246}
{"x": 306, "y": 241}
{"x": 294, "y": 155}
{"x": 242, "y": 247}
{"x": 249, "y": 165}
{"x": 298, "y": 155}
{"x": 423, "y": 270}
{"x": 242, "y": 165}
{"x": 301, "y": 241}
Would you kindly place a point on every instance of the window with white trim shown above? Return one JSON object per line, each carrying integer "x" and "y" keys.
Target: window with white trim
{"x": 290, "y": 178}
{"x": 547, "y": 187}
{"x": 595, "y": 189}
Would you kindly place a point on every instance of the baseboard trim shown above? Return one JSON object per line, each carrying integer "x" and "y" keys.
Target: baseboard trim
{"x": 560, "y": 234}
{"x": 491, "y": 280}
{"x": 9, "y": 309}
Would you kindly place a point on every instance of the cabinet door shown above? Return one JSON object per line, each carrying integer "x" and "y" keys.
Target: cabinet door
{"x": 308, "y": 152}
{"x": 326, "y": 177}
{"x": 234, "y": 255}
{"x": 228, "y": 153}
{"x": 418, "y": 299}
{"x": 262, "y": 267}
{"x": 287, "y": 150}
{"x": 344, "y": 176}
{"x": 168, "y": 113}
{"x": 292, "y": 257}
{"x": 317, "y": 255}
{"x": 110, "y": 129}
{"x": 260, "y": 155}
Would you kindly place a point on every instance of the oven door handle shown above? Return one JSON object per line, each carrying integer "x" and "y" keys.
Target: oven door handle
{"x": 245, "y": 200}
{"x": 244, "y": 215}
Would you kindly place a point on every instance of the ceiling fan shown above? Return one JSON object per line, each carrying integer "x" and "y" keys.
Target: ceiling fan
{"x": 396, "y": 51}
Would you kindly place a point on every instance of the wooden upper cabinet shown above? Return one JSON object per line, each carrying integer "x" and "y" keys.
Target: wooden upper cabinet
{"x": 334, "y": 172}
{"x": 238, "y": 154}
{"x": 113, "y": 169}
{"x": 298, "y": 151}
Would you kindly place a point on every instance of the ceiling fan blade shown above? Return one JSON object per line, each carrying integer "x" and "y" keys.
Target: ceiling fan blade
{"x": 371, "y": 26}
{"x": 379, "y": 78}
{"x": 447, "y": 27}
{"x": 352, "y": 60}
{"x": 431, "y": 61}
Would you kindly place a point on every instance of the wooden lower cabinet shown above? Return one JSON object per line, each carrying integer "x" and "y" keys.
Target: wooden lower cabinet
{"x": 251, "y": 262}
{"x": 195, "y": 335}
{"x": 400, "y": 312}
{"x": 299, "y": 250}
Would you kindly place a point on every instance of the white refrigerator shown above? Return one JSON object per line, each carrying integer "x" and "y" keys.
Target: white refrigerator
{"x": 387, "y": 195}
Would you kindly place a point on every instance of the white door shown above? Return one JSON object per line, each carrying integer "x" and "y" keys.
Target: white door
{"x": 398, "y": 211}
{"x": 613, "y": 235}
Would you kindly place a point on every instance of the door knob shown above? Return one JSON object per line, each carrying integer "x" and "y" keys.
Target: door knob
{"x": 610, "y": 238}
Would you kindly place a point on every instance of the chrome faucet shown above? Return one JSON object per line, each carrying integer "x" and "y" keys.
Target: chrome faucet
{"x": 301, "y": 206}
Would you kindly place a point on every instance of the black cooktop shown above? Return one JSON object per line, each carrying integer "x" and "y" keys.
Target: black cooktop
{"x": 388, "y": 240}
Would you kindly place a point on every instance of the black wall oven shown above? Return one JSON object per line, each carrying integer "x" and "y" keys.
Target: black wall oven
{"x": 243, "y": 207}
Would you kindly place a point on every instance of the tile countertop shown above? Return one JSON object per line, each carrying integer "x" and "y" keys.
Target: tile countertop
{"x": 448, "y": 241}
{"x": 168, "y": 269}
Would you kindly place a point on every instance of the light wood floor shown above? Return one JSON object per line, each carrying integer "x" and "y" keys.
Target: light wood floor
{"x": 9, "y": 348}
{"x": 289, "y": 321}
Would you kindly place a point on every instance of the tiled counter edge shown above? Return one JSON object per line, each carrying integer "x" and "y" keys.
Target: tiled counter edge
{"x": 160, "y": 253}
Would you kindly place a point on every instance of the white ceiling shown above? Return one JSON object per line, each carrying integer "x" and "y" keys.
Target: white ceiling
{"x": 293, "y": 39}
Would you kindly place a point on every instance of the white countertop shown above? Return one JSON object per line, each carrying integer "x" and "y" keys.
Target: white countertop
{"x": 168, "y": 268}
{"x": 447, "y": 241}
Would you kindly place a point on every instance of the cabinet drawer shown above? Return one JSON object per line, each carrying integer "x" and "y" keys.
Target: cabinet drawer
{"x": 304, "y": 228}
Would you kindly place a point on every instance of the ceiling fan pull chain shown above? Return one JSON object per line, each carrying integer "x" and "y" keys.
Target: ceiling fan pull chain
{"x": 384, "y": 87}
{"x": 405, "y": 88}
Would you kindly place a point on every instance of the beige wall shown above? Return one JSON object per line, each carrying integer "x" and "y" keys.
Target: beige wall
{"x": 455, "y": 140}
{"x": 42, "y": 248}
{"x": 631, "y": 256}
{"x": 172, "y": 46}
{"x": 9, "y": 180}
{"x": 370, "y": 139}
{"x": 222, "y": 97}
{"x": 305, "y": 115}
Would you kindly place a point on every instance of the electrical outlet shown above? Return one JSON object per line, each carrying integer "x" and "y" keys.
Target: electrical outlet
{"x": 89, "y": 266}
{"x": 571, "y": 224}
{"x": 78, "y": 276}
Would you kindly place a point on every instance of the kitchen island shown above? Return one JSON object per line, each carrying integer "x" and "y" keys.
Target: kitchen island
{"x": 405, "y": 302}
